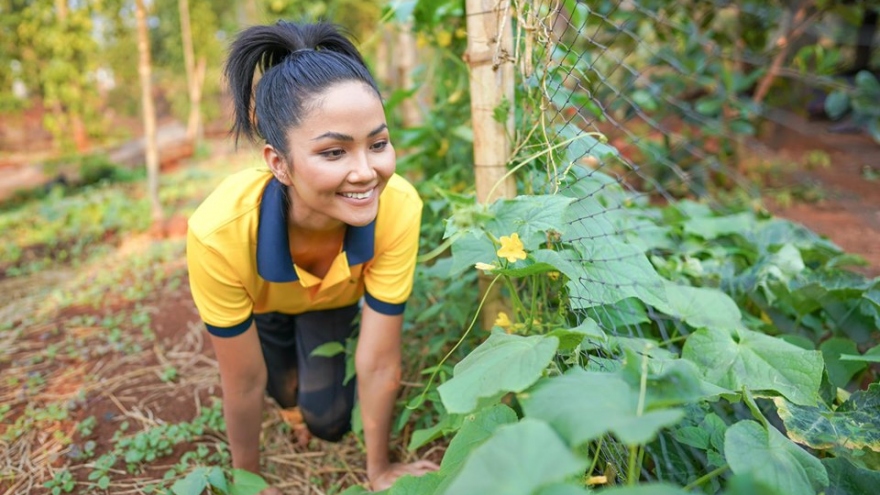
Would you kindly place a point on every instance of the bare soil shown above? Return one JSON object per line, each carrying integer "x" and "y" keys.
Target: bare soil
{"x": 849, "y": 211}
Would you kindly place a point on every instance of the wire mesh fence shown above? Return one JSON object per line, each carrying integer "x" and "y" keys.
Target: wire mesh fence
{"x": 643, "y": 103}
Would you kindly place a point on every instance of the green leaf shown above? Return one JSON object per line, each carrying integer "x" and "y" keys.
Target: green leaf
{"x": 742, "y": 484}
{"x": 359, "y": 490}
{"x": 529, "y": 216}
{"x": 644, "y": 99}
{"x": 469, "y": 249}
{"x": 645, "y": 489}
{"x": 447, "y": 424}
{"x": 866, "y": 358}
{"x": 328, "y": 349}
{"x": 606, "y": 399}
{"x": 707, "y": 435}
{"x": 503, "y": 363}
{"x": 709, "y": 106}
{"x": 517, "y": 460}
{"x": 743, "y": 358}
{"x": 713, "y": 227}
{"x": 193, "y": 484}
{"x": 610, "y": 272}
{"x": 854, "y": 425}
{"x": 475, "y": 430}
{"x": 836, "y": 104}
{"x": 217, "y": 479}
{"x": 700, "y": 307}
{"x": 669, "y": 382}
{"x": 246, "y": 483}
{"x": 868, "y": 84}
{"x": 416, "y": 485}
{"x": 525, "y": 268}
{"x": 840, "y": 371}
{"x": 569, "y": 338}
{"x": 560, "y": 489}
{"x": 589, "y": 220}
{"x": 848, "y": 479}
{"x": 772, "y": 459}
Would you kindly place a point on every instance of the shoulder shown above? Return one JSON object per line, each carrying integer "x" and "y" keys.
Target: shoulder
{"x": 235, "y": 200}
{"x": 400, "y": 193}
{"x": 400, "y": 210}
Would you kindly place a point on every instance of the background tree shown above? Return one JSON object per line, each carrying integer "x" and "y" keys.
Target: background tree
{"x": 149, "y": 113}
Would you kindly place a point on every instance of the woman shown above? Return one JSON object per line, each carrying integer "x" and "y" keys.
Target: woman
{"x": 280, "y": 257}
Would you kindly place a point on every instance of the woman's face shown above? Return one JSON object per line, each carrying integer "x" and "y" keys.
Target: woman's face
{"x": 340, "y": 159}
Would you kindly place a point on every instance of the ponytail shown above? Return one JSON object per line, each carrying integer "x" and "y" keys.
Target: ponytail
{"x": 297, "y": 62}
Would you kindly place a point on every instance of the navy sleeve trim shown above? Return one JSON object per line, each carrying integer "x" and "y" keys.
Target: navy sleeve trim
{"x": 384, "y": 307}
{"x": 230, "y": 331}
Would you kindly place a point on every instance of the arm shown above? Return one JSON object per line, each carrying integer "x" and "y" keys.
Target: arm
{"x": 243, "y": 378}
{"x": 377, "y": 362}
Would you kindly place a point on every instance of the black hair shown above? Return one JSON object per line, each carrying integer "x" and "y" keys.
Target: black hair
{"x": 297, "y": 61}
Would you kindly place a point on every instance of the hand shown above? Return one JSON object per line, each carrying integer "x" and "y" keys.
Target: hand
{"x": 386, "y": 478}
{"x": 270, "y": 491}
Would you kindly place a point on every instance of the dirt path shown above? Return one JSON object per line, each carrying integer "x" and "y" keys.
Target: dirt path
{"x": 849, "y": 211}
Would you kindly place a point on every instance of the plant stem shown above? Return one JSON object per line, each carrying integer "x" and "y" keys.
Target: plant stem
{"x": 518, "y": 307}
{"x": 596, "y": 457}
{"x": 632, "y": 469}
{"x": 448, "y": 354}
{"x": 706, "y": 477}
{"x": 533, "y": 309}
{"x": 437, "y": 251}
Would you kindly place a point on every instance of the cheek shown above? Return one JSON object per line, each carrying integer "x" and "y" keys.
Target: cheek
{"x": 386, "y": 166}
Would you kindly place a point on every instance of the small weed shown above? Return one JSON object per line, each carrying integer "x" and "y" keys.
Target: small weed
{"x": 62, "y": 482}
{"x": 169, "y": 374}
{"x": 86, "y": 427}
{"x": 817, "y": 159}
{"x": 101, "y": 470}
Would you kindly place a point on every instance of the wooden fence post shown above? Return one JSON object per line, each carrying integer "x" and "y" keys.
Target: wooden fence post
{"x": 490, "y": 60}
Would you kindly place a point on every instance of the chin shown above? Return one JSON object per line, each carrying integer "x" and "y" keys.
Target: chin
{"x": 360, "y": 220}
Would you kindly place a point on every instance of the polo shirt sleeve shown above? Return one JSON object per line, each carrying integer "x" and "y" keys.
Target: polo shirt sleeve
{"x": 223, "y": 303}
{"x": 389, "y": 277}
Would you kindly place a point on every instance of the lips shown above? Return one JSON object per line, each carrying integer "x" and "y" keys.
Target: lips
{"x": 358, "y": 195}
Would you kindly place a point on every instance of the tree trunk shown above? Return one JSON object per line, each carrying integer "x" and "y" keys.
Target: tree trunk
{"x": 489, "y": 57}
{"x": 406, "y": 50}
{"x": 193, "y": 82}
{"x": 149, "y": 113}
{"x": 64, "y": 113}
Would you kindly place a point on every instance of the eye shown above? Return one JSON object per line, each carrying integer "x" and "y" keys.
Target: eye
{"x": 379, "y": 145}
{"x": 332, "y": 154}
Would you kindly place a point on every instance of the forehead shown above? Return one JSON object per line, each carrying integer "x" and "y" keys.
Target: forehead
{"x": 349, "y": 103}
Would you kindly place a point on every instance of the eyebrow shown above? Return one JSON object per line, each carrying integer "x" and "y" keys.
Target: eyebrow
{"x": 345, "y": 137}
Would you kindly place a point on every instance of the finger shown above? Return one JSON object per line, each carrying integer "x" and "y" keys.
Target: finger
{"x": 426, "y": 464}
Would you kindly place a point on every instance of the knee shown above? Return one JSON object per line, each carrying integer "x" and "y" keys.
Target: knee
{"x": 329, "y": 427}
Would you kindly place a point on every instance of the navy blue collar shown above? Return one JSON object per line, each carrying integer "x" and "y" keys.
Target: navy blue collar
{"x": 274, "y": 262}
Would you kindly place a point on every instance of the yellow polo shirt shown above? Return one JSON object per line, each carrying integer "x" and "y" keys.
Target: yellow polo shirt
{"x": 239, "y": 259}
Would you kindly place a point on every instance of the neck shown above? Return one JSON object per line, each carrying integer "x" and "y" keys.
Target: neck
{"x": 314, "y": 227}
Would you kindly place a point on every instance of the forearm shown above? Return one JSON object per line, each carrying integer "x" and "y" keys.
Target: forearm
{"x": 377, "y": 392}
{"x": 243, "y": 413}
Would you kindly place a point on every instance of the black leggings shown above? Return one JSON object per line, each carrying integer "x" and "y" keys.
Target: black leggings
{"x": 312, "y": 382}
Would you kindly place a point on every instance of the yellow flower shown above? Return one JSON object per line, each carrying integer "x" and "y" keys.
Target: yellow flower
{"x": 486, "y": 266}
{"x": 444, "y": 38}
{"x": 553, "y": 275}
{"x": 512, "y": 248}
{"x": 502, "y": 320}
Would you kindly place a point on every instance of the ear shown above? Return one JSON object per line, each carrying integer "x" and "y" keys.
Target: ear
{"x": 277, "y": 164}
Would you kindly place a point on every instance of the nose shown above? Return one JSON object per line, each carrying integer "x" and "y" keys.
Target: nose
{"x": 362, "y": 169}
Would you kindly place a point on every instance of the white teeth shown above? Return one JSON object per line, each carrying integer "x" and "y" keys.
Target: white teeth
{"x": 363, "y": 195}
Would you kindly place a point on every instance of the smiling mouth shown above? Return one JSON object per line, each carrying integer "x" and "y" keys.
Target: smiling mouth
{"x": 362, "y": 195}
